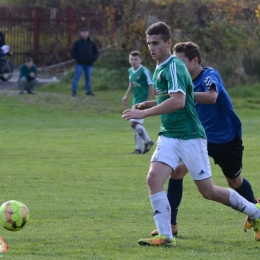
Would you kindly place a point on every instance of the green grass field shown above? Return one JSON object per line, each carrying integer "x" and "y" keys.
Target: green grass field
{"x": 68, "y": 160}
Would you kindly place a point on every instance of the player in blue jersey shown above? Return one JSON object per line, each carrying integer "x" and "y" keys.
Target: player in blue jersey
{"x": 223, "y": 129}
{"x": 141, "y": 88}
{"x": 181, "y": 140}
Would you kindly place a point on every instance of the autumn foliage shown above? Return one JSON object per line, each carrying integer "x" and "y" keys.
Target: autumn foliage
{"x": 228, "y": 31}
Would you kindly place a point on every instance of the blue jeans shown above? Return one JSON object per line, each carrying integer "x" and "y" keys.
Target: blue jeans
{"x": 88, "y": 72}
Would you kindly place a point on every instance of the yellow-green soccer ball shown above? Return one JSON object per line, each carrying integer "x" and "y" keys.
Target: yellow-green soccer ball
{"x": 13, "y": 215}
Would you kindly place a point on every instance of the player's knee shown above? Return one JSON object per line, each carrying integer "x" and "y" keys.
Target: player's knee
{"x": 179, "y": 172}
{"x": 133, "y": 124}
{"x": 152, "y": 179}
{"x": 235, "y": 183}
{"x": 23, "y": 80}
{"x": 207, "y": 194}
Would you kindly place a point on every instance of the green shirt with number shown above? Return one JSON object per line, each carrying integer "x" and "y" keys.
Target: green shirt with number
{"x": 173, "y": 76}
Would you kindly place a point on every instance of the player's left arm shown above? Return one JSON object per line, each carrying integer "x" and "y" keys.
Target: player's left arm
{"x": 145, "y": 105}
{"x": 208, "y": 97}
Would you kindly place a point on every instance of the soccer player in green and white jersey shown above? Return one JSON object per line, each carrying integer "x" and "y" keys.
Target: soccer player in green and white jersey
{"x": 141, "y": 87}
{"x": 181, "y": 139}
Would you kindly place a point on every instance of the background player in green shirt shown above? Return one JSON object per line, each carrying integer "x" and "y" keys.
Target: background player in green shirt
{"x": 141, "y": 87}
{"x": 181, "y": 139}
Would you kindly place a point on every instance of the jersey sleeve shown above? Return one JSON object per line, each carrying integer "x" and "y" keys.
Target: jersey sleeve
{"x": 176, "y": 78}
{"x": 129, "y": 75}
{"x": 148, "y": 77}
{"x": 213, "y": 77}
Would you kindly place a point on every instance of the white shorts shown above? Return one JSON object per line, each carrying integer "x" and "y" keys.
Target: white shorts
{"x": 193, "y": 153}
{"x": 139, "y": 121}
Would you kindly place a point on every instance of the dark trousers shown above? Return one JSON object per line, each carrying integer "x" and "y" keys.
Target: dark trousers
{"x": 24, "y": 84}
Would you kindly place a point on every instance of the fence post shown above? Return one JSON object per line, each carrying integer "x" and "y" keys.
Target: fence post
{"x": 69, "y": 25}
{"x": 36, "y": 30}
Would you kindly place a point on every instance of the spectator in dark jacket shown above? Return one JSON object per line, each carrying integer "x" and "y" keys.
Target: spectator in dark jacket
{"x": 2, "y": 42}
{"x": 85, "y": 52}
{"x": 2, "y": 39}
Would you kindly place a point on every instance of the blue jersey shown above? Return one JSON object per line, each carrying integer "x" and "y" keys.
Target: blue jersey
{"x": 219, "y": 120}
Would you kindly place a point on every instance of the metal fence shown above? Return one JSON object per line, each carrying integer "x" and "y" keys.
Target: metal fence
{"x": 48, "y": 34}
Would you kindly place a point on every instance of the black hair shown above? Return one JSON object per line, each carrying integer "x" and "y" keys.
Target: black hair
{"x": 160, "y": 28}
{"x": 190, "y": 49}
{"x": 28, "y": 59}
{"x": 135, "y": 53}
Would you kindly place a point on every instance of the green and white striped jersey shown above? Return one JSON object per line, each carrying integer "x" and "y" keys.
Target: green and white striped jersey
{"x": 140, "y": 80}
{"x": 173, "y": 76}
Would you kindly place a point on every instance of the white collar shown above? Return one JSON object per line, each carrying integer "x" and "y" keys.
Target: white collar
{"x": 138, "y": 68}
{"x": 165, "y": 61}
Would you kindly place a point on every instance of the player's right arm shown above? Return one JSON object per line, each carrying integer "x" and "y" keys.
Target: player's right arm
{"x": 145, "y": 105}
{"x": 175, "y": 102}
{"x": 208, "y": 97}
{"x": 125, "y": 97}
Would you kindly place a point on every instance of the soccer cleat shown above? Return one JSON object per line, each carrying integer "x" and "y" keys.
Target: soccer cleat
{"x": 147, "y": 146}
{"x": 256, "y": 225}
{"x": 159, "y": 240}
{"x": 136, "y": 151}
{"x": 3, "y": 247}
{"x": 248, "y": 224}
{"x": 174, "y": 231}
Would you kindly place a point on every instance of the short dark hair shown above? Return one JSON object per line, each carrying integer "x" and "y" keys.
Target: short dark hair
{"x": 135, "y": 53}
{"x": 84, "y": 29}
{"x": 190, "y": 49}
{"x": 160, "y": 28}
{"x": 28, "y": 59}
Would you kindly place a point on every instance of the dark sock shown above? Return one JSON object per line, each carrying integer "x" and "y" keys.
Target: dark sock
{"x": 174, "y": 196}
{"x": 245, "y": 190}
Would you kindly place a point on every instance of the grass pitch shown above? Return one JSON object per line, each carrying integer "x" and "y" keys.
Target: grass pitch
{"x": 68, "y": 160}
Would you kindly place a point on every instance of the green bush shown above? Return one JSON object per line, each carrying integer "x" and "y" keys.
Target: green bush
{"x": 252, "y": 65}
{"x": 245, "y": 91}
{"x": 113, "y": 59}
{"x": 110, "y": 79}
{"x": 102, "y": 79}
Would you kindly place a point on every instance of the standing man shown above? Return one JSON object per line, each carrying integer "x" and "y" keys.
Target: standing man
{"x": 85, "y": 52}
{"x": 2, "y": 42}
{"x": 141, "y": 87}
{"x": 27, "y": 78}
{"x": 182, "y": 139}
{"x": 2, "y": 39}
